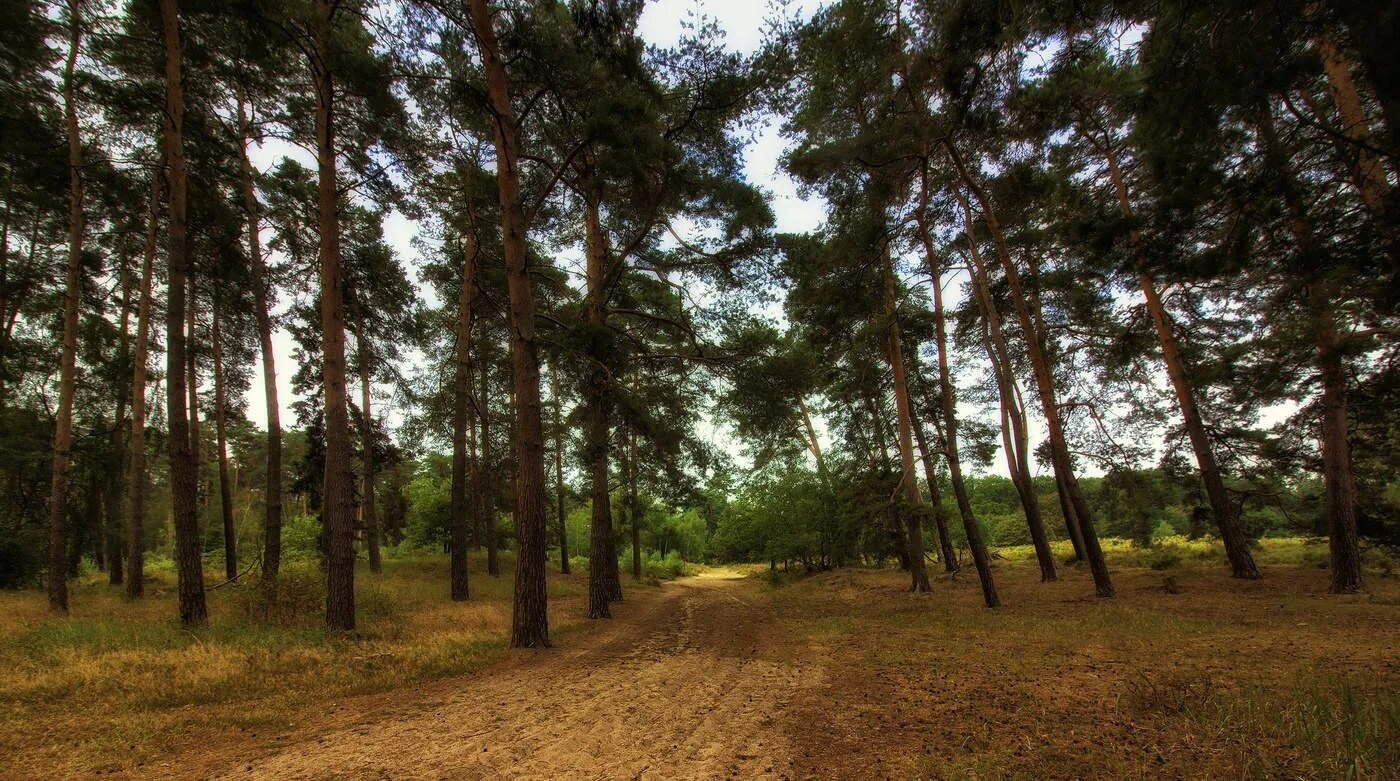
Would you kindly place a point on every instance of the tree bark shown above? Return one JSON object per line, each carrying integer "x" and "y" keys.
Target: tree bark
{"x": 136, "y": 477}
{"x": 1226, "y": 518}
{"x": 370, "y": 513}
{"x": 909, "y": 485}
{"x": 1045, "y": 381}
{"x": 272, "y": 521}
{"x": 188, "y": 561}
{"x": 461, "y": 412}
{"x": 940, "y": 516}
{"x": 68, "y": 358}
{"x": 112, "y": 503}
{"x": 1014, "y": 434}
{"x": 634, "y": 506}
{"x": 602, "y": 567}
{"x": 558, "y": 405}
{"x": 221, "y": 441}
{"x": 530, "y": 621}
{"x": 337, "y": 498}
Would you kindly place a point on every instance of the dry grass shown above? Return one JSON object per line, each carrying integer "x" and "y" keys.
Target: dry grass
{"x": 1227, "y": 679}
{"x": 117, "y": 686}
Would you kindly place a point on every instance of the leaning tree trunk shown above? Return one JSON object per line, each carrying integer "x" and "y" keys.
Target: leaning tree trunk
{"x": 337, "y": 504}
{"x": 188, "y": 562}
{"x": 221, "y": 441}
{"x": 272, "y": 521}
{"x": 68, "y": 358}
{"x": 530, "y": 621}
{"x": 558, "y": 405}
{"x": 461, "y": 414}
{"x": 136, "y": 477}
{"x": 1226, "y": 518}
{"x": 602, "y": 566}
{"x": 909, "y": 482}
{"x": 980, "y": 556}
{"x": 1013, "y": 418}
{"x": 370, "y": 512}
{"x": 940, "y": 516}
{"x": 1045, "y": 381}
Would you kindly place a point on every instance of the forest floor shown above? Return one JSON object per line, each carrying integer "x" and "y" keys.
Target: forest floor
{"x": 731, "y": 674}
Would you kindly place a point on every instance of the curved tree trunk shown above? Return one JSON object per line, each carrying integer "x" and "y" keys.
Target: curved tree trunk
{"x": 940, "y": 516}
{"x": 136, "y": 477}
{"x": 530, "y": 622}
{"x": 272, "y": 520}
{"x": 1014, "y": 434}
{"x": 188, "y": 561}
{"x": 68, "y": 358}
{"x": 461, "y": 411}
{"x": 337, "y": 504}
{"x": 1045, "y": 381}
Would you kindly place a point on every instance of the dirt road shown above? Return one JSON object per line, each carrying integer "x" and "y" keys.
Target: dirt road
{"x": 674, "y": 686}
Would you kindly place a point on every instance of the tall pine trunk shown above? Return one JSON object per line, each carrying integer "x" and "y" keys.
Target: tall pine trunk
{"x": 112, "y": 503}
{"x": 913, "y": 508}
{"x": 1044, "y": 377}
{"x": 1014, "y": 433}
{"x": 188, "y": 562}
{"x": 221, "y": 442}
{"x": 558, "y": 404}
{"x": 633, "y": 505}
{"x": 530, "y": 621}
{"x": 602, "y": 559}
{"x": 272, "y": 519}
{"x": 940, "y": 516}
{"x": 1226, "y": 518}
{"x": 136, "y": 477}
{"x": 461, "y": 415}
{"x": 369, "y": 513}
{"x": 68, "y": 357}
{"x": 486, "y": 474}
{"x": 337, "y": 504}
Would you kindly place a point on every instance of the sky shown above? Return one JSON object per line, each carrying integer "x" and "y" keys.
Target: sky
{"x": 661, "y": 24}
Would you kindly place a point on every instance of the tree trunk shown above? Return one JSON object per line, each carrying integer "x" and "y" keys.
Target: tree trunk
{"x": 370, "y": 513}
{"x": 188, "y": 561}
{"x": 337, "y": 504}
{"x": 940, "y": 516}
{"x": 913, "y": 502}
{"x": 558, "y": 404}
{"x": 272, "y": 522}
{"x": 221, "y": 438}
{"x": 1045, "y": 381}
{"x": 1337, "y": 474}
{"x": 602, "y": 557}
{"x": 633, "y": 506}
{"x": 68, "y": 359}
{"x": 112, "y": 503}
{"x": 1226, "y": 518}
{"x": 192, "y": 382}
{"x": 461, "y": 411}
{"x": 486, "y": 474}
{"x": 136, "y": 477}
{"x": 1014, "y": 434}
{"x": 530, "y": 622}
{"x": 895, "y": 526}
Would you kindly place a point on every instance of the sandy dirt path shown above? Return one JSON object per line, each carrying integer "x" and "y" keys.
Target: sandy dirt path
{"x": 674, "y": 686}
